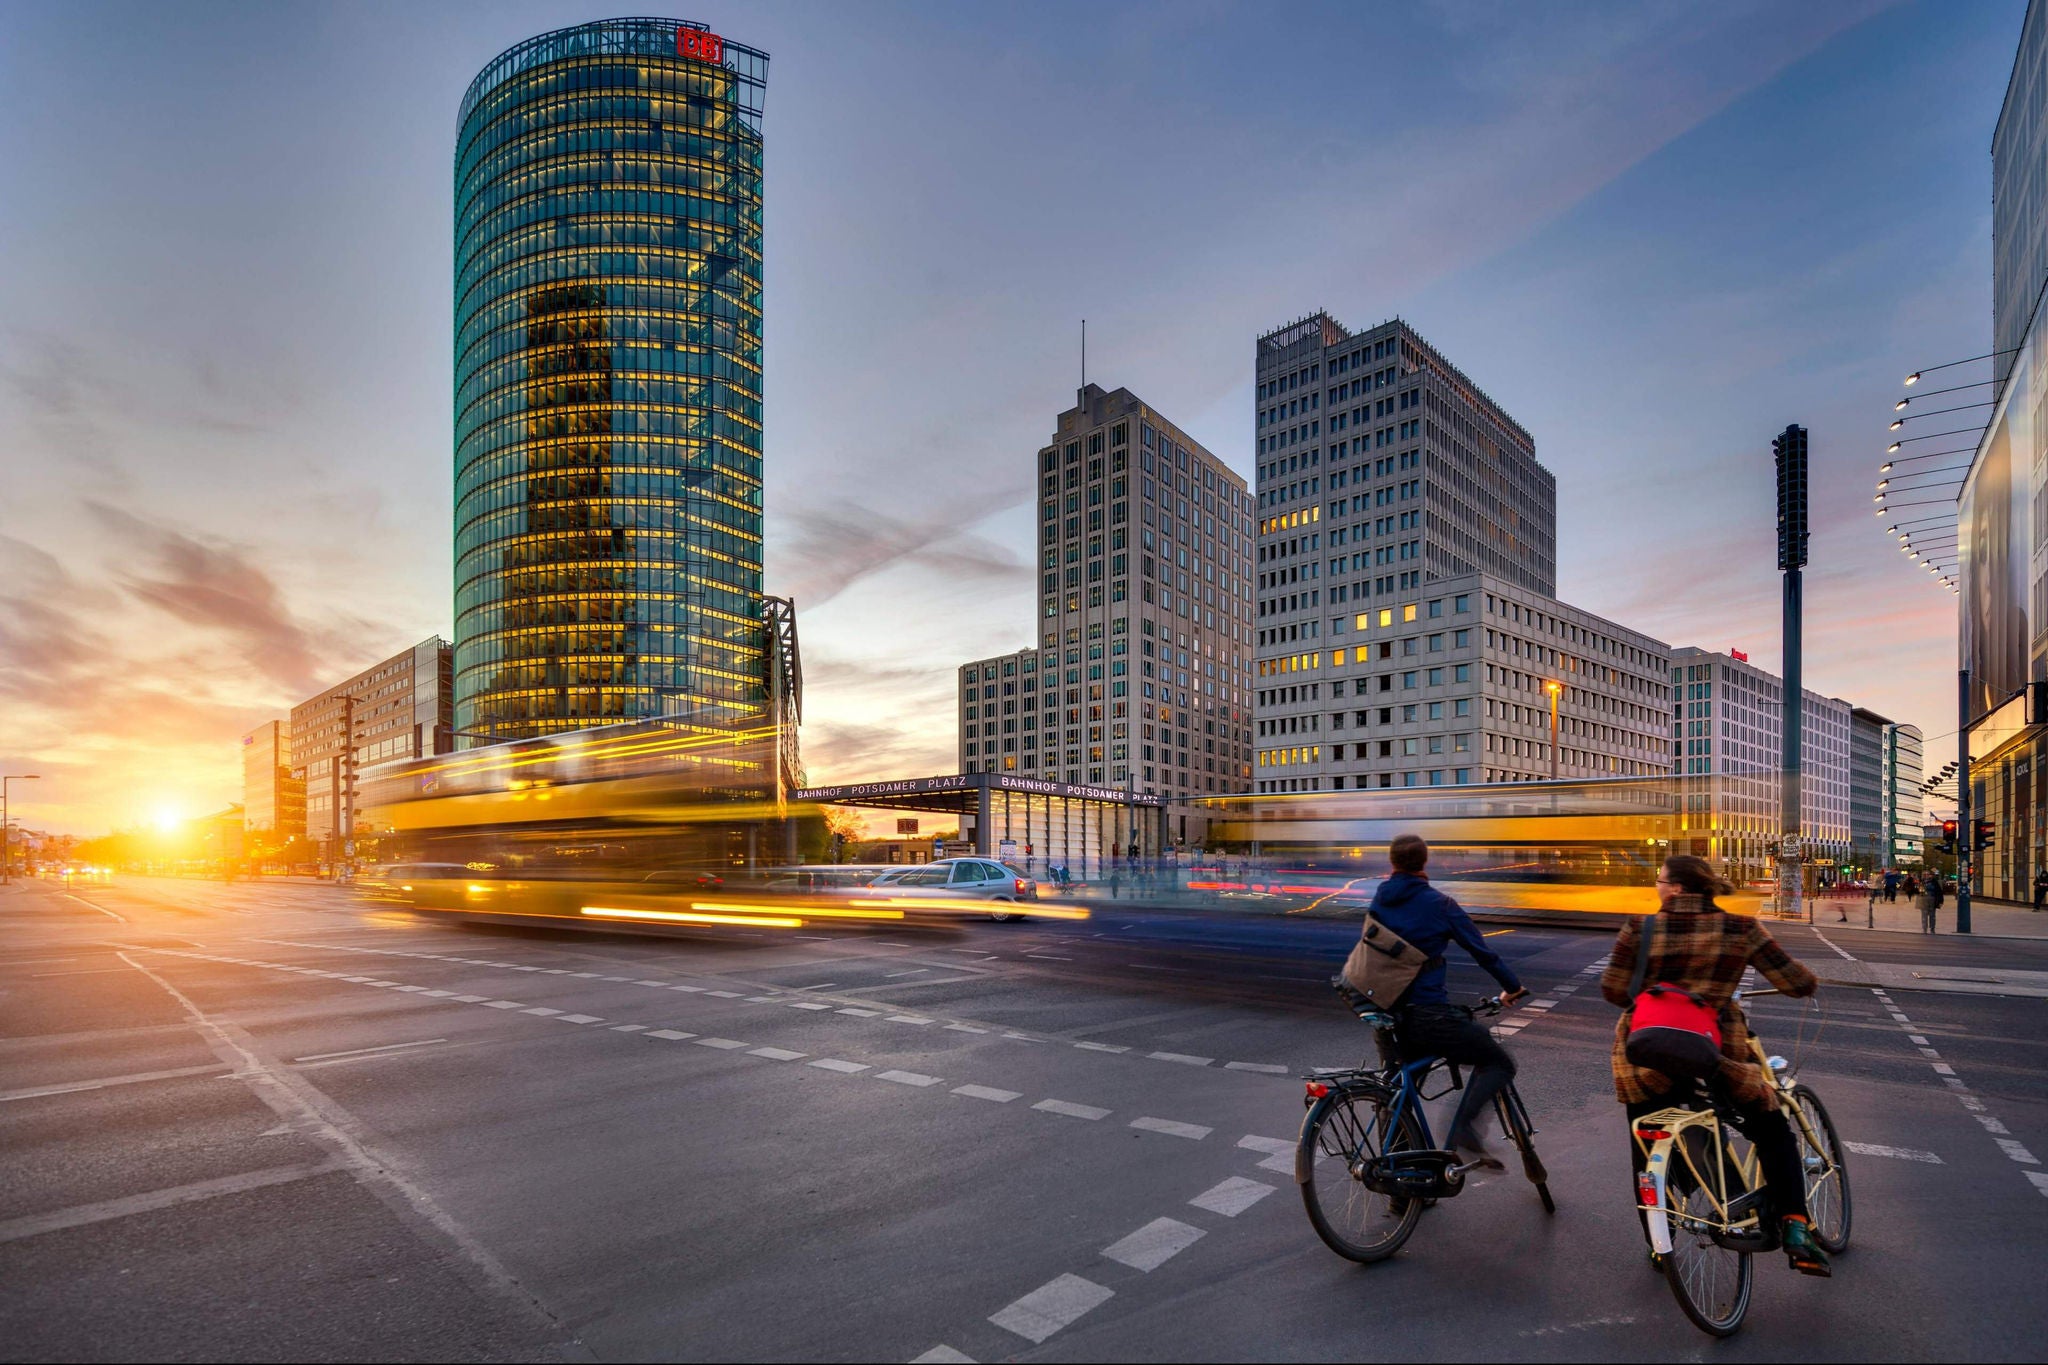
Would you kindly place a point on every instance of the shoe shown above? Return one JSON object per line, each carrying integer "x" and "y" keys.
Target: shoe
{"x": 1796, "y": 1235}
{"x": 1476, "y": 1154}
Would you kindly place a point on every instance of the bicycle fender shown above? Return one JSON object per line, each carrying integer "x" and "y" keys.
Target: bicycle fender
{"x": 1304, "y": 1150}
{"x": 1656, "y": 1221}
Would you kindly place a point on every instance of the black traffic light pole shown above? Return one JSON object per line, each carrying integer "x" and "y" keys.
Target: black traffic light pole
{"x": 1790, "y": 449}
{"x": 1966, "y": 828}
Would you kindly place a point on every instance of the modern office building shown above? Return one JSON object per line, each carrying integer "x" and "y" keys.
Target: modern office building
{"x": 399, "y": 708}
{"x": 1905, "y": 809}
{"x": 1869, "y": 835}
{"x": 273, "y": 800}
{"x": 1454, "y": 686}
{"x": 2019, "y": 193}
{"x": 1727, "y": 731}
{"x": 1142, "y": 670}
{"x": 608, "y": 393}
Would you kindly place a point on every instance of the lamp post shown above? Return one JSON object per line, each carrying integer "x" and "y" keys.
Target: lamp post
{"x": 6, "y": 863}
{"x": 1554, "y": 689}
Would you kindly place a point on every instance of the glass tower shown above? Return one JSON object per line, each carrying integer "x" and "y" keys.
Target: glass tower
{"x": 608, "y": 381}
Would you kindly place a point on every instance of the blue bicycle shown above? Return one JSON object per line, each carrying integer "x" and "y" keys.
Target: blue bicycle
{"x": 1367, "y": 1163}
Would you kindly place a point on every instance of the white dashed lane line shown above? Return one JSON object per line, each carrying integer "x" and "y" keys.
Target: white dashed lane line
{"x": 1999, "y": 1133}
{"x": 1154, "y": 1244}
{"x": 853, "y": 1011}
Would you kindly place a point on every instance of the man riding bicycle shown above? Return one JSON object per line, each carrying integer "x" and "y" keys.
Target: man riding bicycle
{"x": 1426, "y": 1023}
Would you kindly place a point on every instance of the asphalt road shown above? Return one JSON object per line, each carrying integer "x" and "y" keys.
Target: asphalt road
{"x": 261, "y": 1122}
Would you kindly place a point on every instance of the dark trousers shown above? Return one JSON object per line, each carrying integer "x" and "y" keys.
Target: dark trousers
{"x": 2040, "y": 894}
{"x": 1769, "y": 1131}
{"x": 1450, "y": 1032}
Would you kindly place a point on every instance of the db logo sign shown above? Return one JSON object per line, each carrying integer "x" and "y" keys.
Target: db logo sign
{"x": 698, "y": 45}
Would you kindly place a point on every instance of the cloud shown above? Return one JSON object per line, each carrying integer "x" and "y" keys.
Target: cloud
{"x": 217, "y": 586}
{"x": 826, "y": 550}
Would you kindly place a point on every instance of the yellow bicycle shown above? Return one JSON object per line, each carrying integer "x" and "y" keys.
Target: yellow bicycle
{"x": 1703, "y": 1200}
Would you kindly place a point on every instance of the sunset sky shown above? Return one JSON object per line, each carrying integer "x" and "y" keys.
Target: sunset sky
{"x": 1654, "y": 233}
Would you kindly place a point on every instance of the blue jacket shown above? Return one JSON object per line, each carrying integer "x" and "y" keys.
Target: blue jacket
{"x": 1428, "y": 919}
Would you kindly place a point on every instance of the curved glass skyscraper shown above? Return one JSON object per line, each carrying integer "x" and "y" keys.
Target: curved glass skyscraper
{"x": 608, "y": 380}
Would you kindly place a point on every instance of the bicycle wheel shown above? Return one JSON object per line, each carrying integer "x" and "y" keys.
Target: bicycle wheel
{"x": 1342, "y": 1132}
{"x": 1514, "y": 1121}
{"x": 1711, "y": 1282}
{"x": 1827, "y": 1175}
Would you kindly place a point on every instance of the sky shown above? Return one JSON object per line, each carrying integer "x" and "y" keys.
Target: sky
{"x": 1654, "y": 233}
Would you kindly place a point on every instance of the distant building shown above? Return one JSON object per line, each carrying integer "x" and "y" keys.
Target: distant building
{"x": 1728, "y": 732}
{"x": 1869, "y": 835}
{"x": 1904, "y": 806}
{"x": 273, "y": 800}
{"x": 2019, "y": 192}
{"x": 1142, "y": 670}
{"x": 1381, "y": 468}
{"x": 400, "y": 708}
{"x": 1449, "y": 686}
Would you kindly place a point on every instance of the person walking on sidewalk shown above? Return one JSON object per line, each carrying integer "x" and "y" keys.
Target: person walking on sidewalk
{"x": 2040, "y": 887}
{"x": 1929, "y": 900}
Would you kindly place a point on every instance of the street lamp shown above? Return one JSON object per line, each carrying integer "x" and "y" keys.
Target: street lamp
{"x": 1554, "y": 689}
{"x": 6, "y": 865}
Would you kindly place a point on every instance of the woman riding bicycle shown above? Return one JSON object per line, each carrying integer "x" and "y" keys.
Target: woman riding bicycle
{"x": 1700, "y": 948}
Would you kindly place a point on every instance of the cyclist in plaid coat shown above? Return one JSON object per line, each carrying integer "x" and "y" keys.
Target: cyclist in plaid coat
{"x": 1703, "y": 949}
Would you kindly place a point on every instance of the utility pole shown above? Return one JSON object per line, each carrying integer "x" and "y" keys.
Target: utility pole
{"x": 1790, "y": 449}
{"x": 1966, "y": 827}
{"x": 1553, "y": 688}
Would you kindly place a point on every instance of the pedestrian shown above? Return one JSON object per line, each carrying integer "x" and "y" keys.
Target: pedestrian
{"x": 1891, "y": 886}
{"x": 1912, "y": 887}
{"x": 1929, "y": 900}
{"x": 2040, "y": 887}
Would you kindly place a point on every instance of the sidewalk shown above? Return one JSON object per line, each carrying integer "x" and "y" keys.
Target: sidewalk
{"x": 1988, "y": 918}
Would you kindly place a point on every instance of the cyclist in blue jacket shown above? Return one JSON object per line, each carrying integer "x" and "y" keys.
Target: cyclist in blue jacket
{"x": 1426, "y": 1023}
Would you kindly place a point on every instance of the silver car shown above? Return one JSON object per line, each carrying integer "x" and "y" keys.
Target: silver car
{"x": 959, "y": 879}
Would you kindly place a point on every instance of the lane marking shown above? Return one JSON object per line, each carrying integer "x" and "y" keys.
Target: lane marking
{"x": 1153, "y": 1245}
{"x": 906, "y": 1078}
{"x": 722, "y": 1044}
{"x": 1270, "y": 1146}
{"x": 834, "y": 1064}
{"x": 671, "y": 1034}
{"x": 986, "y": 1092}
{"x": 941, "y": 1355}
{"x": 367, "y": 1051}
{"x": 1193, "y": 1131}
{"x": 580, "y": 1019}
{"x": 1101, "y": 1047}
{"x": 917, "y": 972}
{"x": 1050, "y": 1307}
{"x": 776, "y": 1054}
{"x": 1180, "y": 1057}
{"x": 15, "y": 1229}
{"x": 1901, "y": 1153}
{"x": 1263, "y": 1068}
{"x": 861, "y": 1014}
{"x": 909, "y": 1019}
{"x": 136, "y": 1078}
{"x": 1232, "y": 1197}
{"x": 806, "y": 1005}
{"x": 1071, "y": 1110}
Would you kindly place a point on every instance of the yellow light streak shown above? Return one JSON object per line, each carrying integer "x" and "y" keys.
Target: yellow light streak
{"x": 687, "y": 917}
{"x": 1036, "y": 909}
{"x": 810, "y": 911}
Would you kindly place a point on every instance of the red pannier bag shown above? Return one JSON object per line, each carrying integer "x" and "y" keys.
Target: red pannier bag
{"x": 1671, "y": 1030}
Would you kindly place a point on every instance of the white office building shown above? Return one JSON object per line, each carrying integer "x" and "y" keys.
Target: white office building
{"x": 1727, "y": 730}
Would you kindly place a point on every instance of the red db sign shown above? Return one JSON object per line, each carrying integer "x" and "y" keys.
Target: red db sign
{"x": 701, "y": 46}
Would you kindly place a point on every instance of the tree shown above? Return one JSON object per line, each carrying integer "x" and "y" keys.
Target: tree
{"x": 844, "y": 830}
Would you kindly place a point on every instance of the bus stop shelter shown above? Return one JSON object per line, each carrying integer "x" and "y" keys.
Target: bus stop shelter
{"x": 1025, "y": 818}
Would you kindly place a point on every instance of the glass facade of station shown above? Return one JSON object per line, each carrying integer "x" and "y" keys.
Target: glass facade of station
{"x": 608, "y": 381}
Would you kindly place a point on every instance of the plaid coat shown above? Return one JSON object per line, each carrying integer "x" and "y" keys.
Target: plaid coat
{"x": 1703, "y": 949}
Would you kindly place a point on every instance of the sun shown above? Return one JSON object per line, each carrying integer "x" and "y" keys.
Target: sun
{"x": 167, "y": 818}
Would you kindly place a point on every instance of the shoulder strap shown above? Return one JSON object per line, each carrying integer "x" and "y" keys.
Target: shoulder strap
{"x": 1642, "y": 971}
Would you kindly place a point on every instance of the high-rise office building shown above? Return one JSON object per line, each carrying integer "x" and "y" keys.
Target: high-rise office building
{"x": 1454, "y": 686}
{"x": 2019, "y": 193}
{"x": 608, "y": 416}
{"x": 1727, "y": 728}
{"x": 273, "y": 801}
{"x": 1142, "y": 670}
{"x": 400, "y": 708}
{"x": 1869, "y": 837}
{"x": 1905, "y": 808}
{"x": 1386, "y": 476}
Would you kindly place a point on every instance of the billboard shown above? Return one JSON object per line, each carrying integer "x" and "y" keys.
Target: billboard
{"x": 1997, "y": 539}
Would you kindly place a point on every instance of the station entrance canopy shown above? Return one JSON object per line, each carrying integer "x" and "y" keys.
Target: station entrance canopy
{"x": 1022, "y": 817}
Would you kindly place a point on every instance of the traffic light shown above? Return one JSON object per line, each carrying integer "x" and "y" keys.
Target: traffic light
{"x": 1948, "y": 836}
{"x": 1987, "y": 834}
